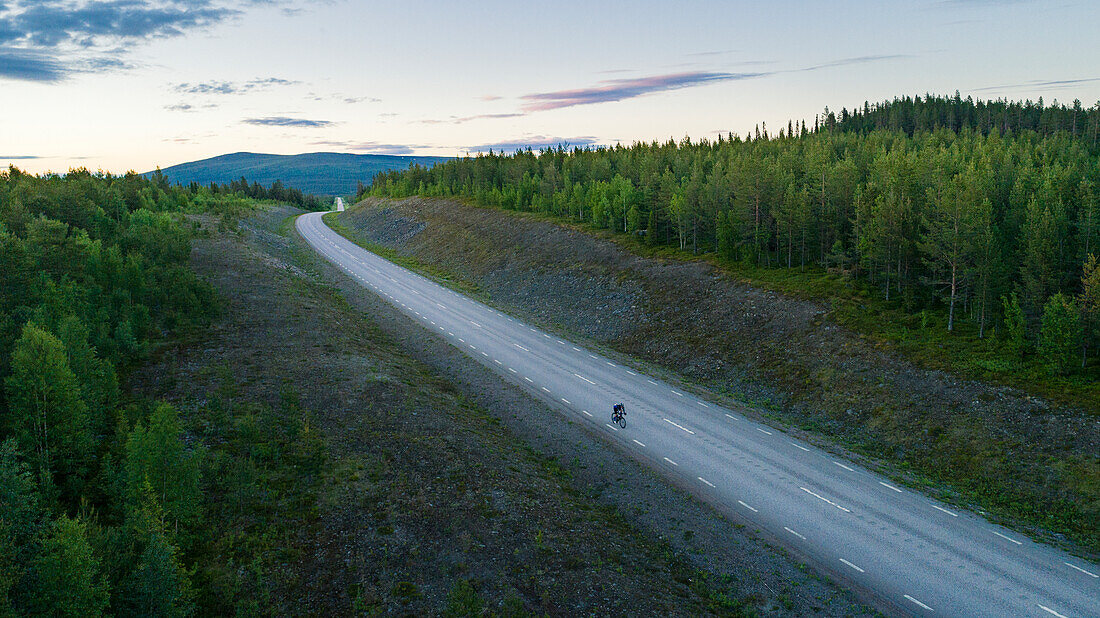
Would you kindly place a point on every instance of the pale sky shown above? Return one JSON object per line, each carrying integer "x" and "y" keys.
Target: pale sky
{"x": 132, "y": 84}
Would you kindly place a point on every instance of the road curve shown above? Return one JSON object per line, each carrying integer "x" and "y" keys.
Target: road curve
{"x": 913, "y": 554}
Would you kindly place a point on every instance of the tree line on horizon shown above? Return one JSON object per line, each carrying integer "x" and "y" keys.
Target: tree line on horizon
{"x": 242, "y": 188}
{"x": 987, "y": 211}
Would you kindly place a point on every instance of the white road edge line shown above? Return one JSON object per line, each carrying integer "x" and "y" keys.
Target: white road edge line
{"x": 794, "y": 533}
{"x": 679, "y": 426}
{"x": 1007, "y": 538}
{"x": 747, "y": 507}
{"x": 852, "y": 565}
{"x": 926, "y": 607}
{"x": 940, "y": 508}
{"x": 1089, "y": 573}
{"x": 1051, "y": 611}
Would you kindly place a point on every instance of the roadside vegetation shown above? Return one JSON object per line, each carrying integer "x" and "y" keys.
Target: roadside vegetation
{"x": 963, "y": 232}
{"x": 111, "y": 502}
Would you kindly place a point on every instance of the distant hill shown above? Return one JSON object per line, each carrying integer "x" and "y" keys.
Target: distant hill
{"x": 319, "y": 173}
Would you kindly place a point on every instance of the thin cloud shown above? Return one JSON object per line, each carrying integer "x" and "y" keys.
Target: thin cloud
{"x": 849, "y": 61}
{"x": 220, "y": 87}
{"x": 719, "y": 52}
{"x": 187, "y": 107}
{"x": 620, "y": 89}
{"x": 535, "y": 142}
{"x": 1040, "y": 84}
{"x": 19, "y": 157}
{"x": 464, "y": 119}
{"x": 371, "y": 147}
{"x": 284, "y": 121}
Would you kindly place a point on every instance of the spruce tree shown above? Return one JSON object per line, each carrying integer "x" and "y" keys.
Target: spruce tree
{"x": 1060, "y": 334}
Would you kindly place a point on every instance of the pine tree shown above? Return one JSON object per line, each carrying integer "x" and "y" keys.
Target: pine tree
{"x": 157, "y": 584}
{"x": 1089, "y": 304}
{"x": 21, "y": 520}
{"x": 1060, "y": 335}
{"x": 156, "y": 458}
{"x": 45, "y": 412}
{"x": 1015, "y": 327}
{"x": 69, "y": 579}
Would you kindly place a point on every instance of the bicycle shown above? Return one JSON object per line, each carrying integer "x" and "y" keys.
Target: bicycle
{"x": 618, "y": 415}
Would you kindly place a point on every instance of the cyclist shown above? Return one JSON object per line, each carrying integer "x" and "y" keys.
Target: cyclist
{"x": 618, "y": 411}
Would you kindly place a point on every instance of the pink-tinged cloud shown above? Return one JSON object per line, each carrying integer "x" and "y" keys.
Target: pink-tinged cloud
{"x": 619, "y": 89}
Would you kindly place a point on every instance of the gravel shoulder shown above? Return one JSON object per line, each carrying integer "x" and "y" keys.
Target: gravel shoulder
{"x": 448, "y": 490}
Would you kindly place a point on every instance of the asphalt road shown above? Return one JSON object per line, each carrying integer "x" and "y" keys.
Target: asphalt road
{"x": 911, "y": 553}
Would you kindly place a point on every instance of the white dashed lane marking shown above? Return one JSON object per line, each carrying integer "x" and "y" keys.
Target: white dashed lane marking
{"x": 584, "y": 378}
{"x": 521, "y": 347}
{"x": 794, "y": 533}
{"x": 823, "y": 498}
{"x": 764, "y": 431}
{"x": 670, "y": 461}
{"x": 852, "y": 565}
{"x": 844, "y": 466}
{"x": 911, "y": 599}
{"x": 638, "y": 443}
{"x": 889, "y": 486}
{"x": 679, "y": 426}
{"x": 940, "y": 508}
{"x": 747, "y": 506}
{"x": 706, "y": 482}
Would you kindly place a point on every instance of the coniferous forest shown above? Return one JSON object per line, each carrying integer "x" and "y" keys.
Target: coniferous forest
{"x": 104, "y": 494}
{"x": 982, "y": 217}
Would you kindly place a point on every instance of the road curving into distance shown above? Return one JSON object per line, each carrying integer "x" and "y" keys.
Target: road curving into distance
{"x": 913, "y": 554}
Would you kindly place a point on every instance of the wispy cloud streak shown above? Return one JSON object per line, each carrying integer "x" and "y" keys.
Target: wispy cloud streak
{"x": 284, "y": 121}
{"x": 620, "y": 89}
{"x": 1040, "y": 84}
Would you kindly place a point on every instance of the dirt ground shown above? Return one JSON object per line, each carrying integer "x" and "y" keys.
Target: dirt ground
{"x": 996, "y": 450}
{"x": 450, "y": 491}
